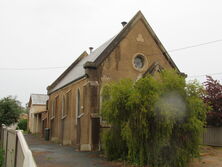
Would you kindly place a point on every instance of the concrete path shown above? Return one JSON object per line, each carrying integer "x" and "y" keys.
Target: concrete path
{"x": 48, "y": 154}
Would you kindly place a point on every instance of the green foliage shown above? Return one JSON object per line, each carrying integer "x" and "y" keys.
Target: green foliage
{"x": 1, "y": 157}
{"x": 153, "y": 122}
{"x": 10, "y": 109}
{"x": 22, "y": 124}
{"x": 114, "y": 146}
{"x": 212, "y": 97}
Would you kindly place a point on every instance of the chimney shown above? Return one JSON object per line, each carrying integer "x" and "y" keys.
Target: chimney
{"x": 123, "y": 23}
{"x": 90, "y": 49}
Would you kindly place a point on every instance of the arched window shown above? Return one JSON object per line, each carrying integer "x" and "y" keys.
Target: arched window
{"x": 53, "y": 109}
{"x": 100, "y": 104}
{"x": 63, "y": 107}
{"x": 78, "y": 103}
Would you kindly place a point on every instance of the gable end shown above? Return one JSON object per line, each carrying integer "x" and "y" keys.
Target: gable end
{"x": 125, "y": 31}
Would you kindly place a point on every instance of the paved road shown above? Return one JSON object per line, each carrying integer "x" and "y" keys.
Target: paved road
{"x": 48, "y": 154}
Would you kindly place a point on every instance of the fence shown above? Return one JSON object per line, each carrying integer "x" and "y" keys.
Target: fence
{"x": 16, "y": 151}
{"x": 212, "y": 136}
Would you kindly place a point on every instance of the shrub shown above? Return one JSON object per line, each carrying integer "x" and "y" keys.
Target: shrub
{"x": 213, "y": 97}
{"x": 22, "y": 124}
{"x": 10, "y": 109}
{"x": 153, "y": 122}
{"x": 214, "y": 119}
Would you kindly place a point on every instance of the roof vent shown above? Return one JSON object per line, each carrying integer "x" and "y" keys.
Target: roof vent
{"x": 123, "y": 23}
{"x": 90, "y": 49}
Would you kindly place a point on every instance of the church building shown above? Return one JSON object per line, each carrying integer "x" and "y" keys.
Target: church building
{"x": 74, "y": 97}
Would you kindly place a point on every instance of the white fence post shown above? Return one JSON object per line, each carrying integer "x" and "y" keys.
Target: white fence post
{"x": 17, "y": 152}
{"x": 28, "y": 158}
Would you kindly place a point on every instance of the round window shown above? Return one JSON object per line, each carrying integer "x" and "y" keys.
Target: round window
{"x": 139, "y": 61}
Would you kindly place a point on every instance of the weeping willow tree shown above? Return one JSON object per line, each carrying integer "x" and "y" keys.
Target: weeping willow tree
{"x": 155, "y": 122}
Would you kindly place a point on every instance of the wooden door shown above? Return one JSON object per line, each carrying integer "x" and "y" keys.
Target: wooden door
{"x": 95, "y": 133}
{"x": 78, "y": 134}
{"x": 52, "y": 128}
{"x": 43, "y": 127}
{"x": 62, "y": 130}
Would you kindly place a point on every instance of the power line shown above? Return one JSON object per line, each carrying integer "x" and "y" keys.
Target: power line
{"x": 202, "y": 75}
{"x": 35, "y": 68}
{"x": 196, "y": 45}
{"x": 173, "y": 50}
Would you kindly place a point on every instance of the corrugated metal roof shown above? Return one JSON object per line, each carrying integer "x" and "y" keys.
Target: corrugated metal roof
{"x": 78, "y": 70}
{"x": 39, "y": 99}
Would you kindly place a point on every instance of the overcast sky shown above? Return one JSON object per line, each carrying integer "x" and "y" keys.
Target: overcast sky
{"x": 53, "y": 33}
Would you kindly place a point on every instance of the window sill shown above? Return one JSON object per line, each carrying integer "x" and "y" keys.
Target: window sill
{"x": 79, "y": 116}
{"x": 64, "y": 116}
{"x": 104, "y": 124}
{"x": 95, "y": 115}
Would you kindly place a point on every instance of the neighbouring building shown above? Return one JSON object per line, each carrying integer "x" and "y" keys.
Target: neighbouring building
{"x": 74, "y": 97}
{"x": 23, "y": 116}
{"x": 37, "y": 107}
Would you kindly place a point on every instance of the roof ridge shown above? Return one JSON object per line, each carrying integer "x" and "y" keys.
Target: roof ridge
{"x": 38, "y": 94}
{"x": 84, "y": 54}
{"x": 76, "y": 62}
